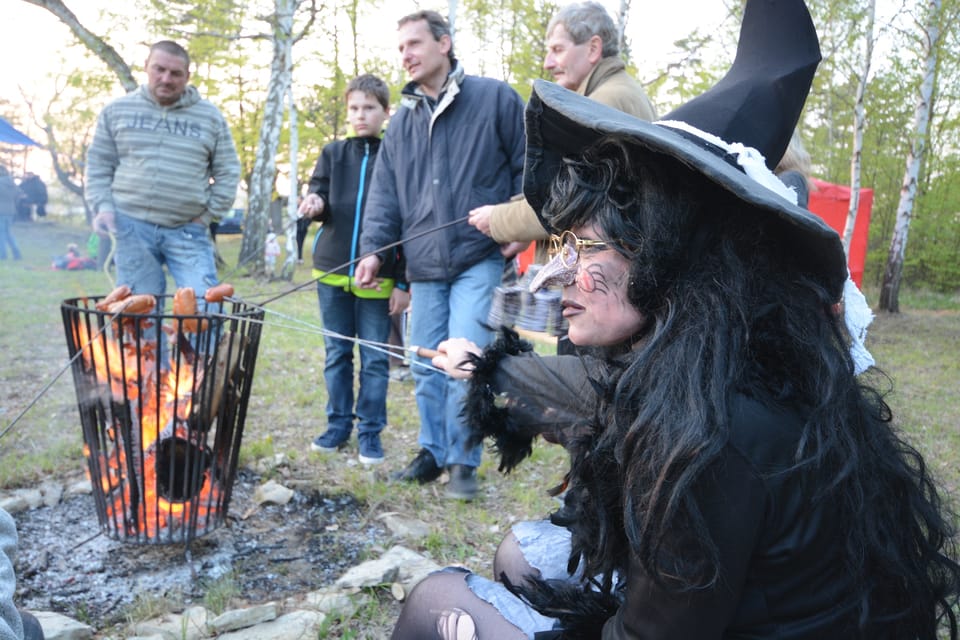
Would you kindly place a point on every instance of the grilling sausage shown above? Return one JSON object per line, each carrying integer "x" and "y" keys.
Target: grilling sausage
{"x": 121, "y": 292}
{"x": 218, "y": 293}
{"x": 140, "y": 303}
{"x": 185, "y": 304}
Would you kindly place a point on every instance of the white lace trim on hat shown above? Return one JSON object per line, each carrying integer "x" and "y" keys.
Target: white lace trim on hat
{"x": 857, "y": 314}
{"x": 750, "y": 160}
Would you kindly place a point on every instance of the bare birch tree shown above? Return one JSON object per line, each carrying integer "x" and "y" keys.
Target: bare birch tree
{"x": 282, "y": 38}
{"x": 452, "y": 16}
{"x": 291, "y": 226}
{"x": 859, "y": 122}
{"x": 622, "y": 29}
{"x": 893, "y": 273}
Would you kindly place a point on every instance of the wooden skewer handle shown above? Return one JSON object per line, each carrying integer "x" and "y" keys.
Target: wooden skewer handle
{"x": 424, "y": 352}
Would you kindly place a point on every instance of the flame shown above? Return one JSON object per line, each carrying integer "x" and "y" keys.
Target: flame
{"x": 148, "y": 402}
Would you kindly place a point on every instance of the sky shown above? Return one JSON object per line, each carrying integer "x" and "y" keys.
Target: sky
{"x": 32, "y": 40}
{"x": 30, "y": 37}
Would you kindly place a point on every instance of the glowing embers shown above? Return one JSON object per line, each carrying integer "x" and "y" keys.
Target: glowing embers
{"x": 162, "y": 402}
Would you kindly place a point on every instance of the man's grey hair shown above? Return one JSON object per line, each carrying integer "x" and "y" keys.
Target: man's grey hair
{"x": 172, "y": 48}
{"x": 583, "y": 20}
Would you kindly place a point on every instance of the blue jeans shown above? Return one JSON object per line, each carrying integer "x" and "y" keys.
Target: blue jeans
{"x": 367, "y": 319}
{"x": 443, "y": 309}
{"x": 6, "y": 238}
{"x": 143, "y": 248}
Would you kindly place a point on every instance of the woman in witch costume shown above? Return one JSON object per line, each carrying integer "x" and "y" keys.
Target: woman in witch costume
{"x": 732, "y": 473}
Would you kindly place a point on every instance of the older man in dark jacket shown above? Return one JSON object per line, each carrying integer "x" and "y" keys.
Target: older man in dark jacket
{"x": 455, "y": 143}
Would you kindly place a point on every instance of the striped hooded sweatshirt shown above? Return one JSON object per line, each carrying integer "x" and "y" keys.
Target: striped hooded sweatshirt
{"x": 164, "y": 165}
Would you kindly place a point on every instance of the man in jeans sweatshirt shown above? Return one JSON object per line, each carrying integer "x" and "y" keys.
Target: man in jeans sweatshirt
{"x": 162, "y": 164}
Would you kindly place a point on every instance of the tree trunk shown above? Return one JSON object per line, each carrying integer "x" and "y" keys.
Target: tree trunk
{"x": 92, "y": 41}
{"x": 622, "y": 29}
{"x": 452, "y": 16}
{"x": 264, "y": 167}
{"x": 859, "y": 121}
{"x": 893, "y": 273}
{"x": 293, "y": 202}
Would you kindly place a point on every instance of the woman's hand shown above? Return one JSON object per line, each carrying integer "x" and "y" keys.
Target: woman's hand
{"x": 453, "y": 357}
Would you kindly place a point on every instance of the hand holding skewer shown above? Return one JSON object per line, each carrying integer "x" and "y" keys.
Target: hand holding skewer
{"x": 365, "y": 275}
{"x": 452, "y": 356}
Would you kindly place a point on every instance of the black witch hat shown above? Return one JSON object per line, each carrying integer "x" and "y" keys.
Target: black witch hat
{"x": 732, "y": 135}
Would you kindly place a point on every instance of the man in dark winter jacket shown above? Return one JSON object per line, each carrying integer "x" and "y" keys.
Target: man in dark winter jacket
{"x": 456, "y": 143}
{"x": 33, "y": 194}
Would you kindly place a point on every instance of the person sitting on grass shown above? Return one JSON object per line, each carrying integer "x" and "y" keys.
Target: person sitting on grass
{"x": 73, "y": 260}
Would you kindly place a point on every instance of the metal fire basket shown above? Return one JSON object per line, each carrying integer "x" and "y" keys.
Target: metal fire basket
{"x": 162, "y": 402}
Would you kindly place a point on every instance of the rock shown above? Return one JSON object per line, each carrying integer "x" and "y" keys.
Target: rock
{"x": 14, "y": 504}
{"x": 190, "y": 625}
{"x": 78, "y": 488}
{"x": 21, "y": 500}
{"x": 243, "y": 618}
{"x": 272, "y": 492}
{"x": 52, "y": 492}
{"x": 58, "y": 627}
{"x": 266, "y": 465}
{"x": 333, "y": 602}
{"x": 398, "y": 592}
{"x": 33, "y": 497}
{"x": 404, "y": 526}
{"x": 165, "y": 627}
{"x": 194, "y": 622}
{"x": 398, "y": 564}
{"x": 297, "y": 625}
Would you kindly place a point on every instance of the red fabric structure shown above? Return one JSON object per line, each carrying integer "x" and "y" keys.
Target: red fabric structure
{"x": 526, "y": 258}
{"x": 831, "y": 202}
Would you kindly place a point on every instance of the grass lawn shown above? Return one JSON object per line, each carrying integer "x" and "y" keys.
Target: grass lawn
{"x": 41, "y": 436}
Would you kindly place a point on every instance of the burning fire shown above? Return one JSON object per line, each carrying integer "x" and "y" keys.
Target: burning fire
{"x": 160, "y": 389}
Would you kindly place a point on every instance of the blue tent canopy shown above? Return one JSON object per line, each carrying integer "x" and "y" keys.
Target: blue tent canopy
{"x": 9, "y": 135}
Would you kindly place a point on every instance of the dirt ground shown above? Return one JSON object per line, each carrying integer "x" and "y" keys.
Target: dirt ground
{"x": 270, "y": 552}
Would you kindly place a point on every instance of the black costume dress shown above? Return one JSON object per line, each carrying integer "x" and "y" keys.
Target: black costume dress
{"x": 779, "y": 547}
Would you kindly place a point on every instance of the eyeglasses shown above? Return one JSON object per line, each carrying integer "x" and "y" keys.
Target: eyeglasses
{"x": 567, "y": 246}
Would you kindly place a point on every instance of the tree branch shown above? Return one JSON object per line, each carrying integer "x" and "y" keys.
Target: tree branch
{"x": 93, "y": 42}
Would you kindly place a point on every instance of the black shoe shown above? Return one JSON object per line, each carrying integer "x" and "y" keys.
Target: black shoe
{"x": 421, "y": 469}
{"x": 463, "y": 482}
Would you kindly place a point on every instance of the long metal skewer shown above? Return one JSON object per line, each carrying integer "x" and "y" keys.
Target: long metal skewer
{"x": 423, "y": 352}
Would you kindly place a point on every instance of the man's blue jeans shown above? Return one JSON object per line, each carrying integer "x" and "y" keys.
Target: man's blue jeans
{"x": 441, "y": 310}
{"x": 143, "y": 248}
{"x": 367, "y": 319}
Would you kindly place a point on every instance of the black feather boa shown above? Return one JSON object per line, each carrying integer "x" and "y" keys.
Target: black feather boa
{"x": 581, "y": 612}
{"x": 480, "y": 411}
